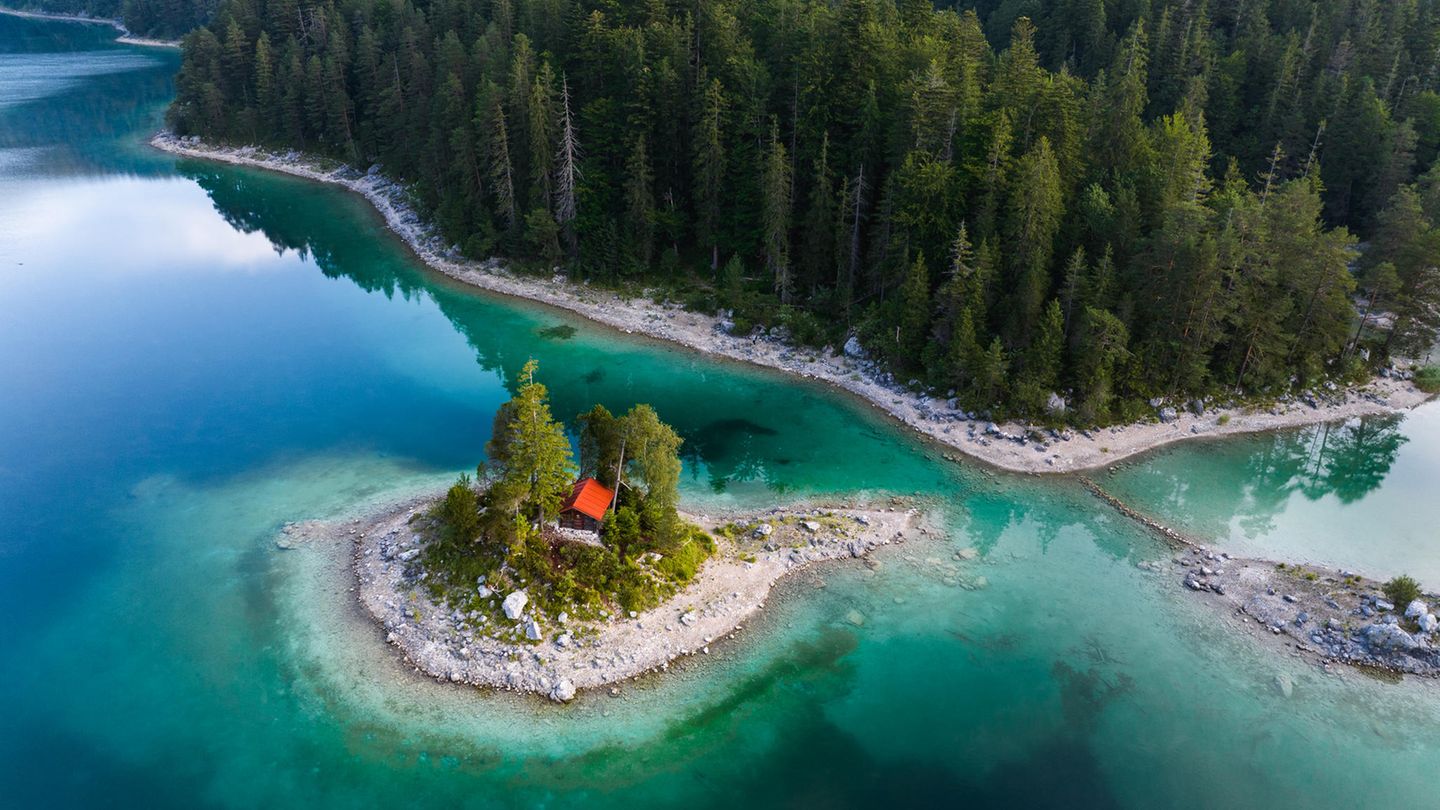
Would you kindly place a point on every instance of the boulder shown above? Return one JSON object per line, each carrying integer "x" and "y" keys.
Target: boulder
{"x": 764, "y": 530}
{"x": 563, "y": 691}
{"x": 1284, "y": 685}
{"x": 1387, "y": 637}
{"x": 1055, "y": 405}
{"x": 855, "y": 618}
{"x": 1428, "y": 623}
{"x": 1416, "y": 609}
{"x": 810, "y": 526}
{"x": 408, "y": 555}
{"x": 1168, "y": 415}
{"x": 688, "y": 618}
{"x": 1381, "y": 604}
{"x": 532, "y": 630}
{"x": 514, "y": 605}
{"x": 484, "y": 591}
{"x": 853, "y": 348}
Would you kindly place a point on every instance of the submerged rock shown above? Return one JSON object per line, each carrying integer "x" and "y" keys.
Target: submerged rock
{"x": 1284, "y": 685}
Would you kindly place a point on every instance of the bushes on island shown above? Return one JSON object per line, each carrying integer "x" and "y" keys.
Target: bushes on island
{"x": 1401, "y": 591}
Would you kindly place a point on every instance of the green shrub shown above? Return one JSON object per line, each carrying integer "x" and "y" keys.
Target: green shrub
{"x": 460, "y": 513}
{"x": 1427, "y": 379}
{"x": 1223, "y": 420}
{"x": 1401, "y": 591}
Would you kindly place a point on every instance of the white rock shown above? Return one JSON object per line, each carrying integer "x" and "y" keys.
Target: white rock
{"x": 688, "y": 618}
{"x": 1416, "y": 609}
{"x": 1428, "y": 623}
{"x": 563, "y": 692}
{"x": 853, "y": 348}
{"x": 514, "y": 604}
{"x": 408, "y": 555}
{"x": 484, "y": 591}
{"x": 764, "y": 530}
{"x": 810, "y": 526}
{"x": 532, "y": 630}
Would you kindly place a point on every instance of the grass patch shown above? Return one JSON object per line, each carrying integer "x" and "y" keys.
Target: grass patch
{"x": 1427, "y": 379}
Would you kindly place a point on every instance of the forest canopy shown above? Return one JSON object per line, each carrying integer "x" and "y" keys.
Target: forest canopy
{"x": 1020, "y": 203}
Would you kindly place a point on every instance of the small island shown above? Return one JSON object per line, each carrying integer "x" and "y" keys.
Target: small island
{"x": 545, "y": 575}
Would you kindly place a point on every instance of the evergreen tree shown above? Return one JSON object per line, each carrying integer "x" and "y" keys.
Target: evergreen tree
{"x": 775, "y": 215}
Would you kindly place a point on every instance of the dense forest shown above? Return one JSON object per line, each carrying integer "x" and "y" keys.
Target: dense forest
{"x": 1109, "y": 202}
{"x": 166, "y": 19}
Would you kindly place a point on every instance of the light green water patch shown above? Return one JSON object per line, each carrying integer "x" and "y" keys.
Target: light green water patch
{"x": 1358, "y": 495}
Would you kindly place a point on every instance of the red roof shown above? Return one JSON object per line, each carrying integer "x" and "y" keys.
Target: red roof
{"x": 589, "y": 497}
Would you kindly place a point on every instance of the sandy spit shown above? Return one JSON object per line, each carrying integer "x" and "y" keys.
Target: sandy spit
{"x": 729, "y": 589}
{"x": 1005, "y": 446}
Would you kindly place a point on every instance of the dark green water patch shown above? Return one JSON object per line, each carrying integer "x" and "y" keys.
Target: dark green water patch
{"x": 562, "y": 331}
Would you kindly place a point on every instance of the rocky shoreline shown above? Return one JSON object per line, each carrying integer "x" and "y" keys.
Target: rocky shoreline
{"x": 1013, "y": 447}
{"x": 561, "y": 657}
{"x": 1330, "y": 616}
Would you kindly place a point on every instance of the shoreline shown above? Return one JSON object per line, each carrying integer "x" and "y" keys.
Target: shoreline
{"x": 125, "y": 37}
{"x": 730, "y": 589}
{"x": 1327, "y": 616}
{"x": 1010, "y": 446}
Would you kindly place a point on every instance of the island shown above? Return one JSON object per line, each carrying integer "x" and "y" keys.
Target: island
{"x": 547, "y": 576}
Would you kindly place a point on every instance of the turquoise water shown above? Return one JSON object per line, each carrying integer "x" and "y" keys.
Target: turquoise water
{"x": 193, "y": 355}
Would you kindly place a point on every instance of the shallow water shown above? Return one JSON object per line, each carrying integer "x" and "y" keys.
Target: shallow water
{"x": 194, "y": 355}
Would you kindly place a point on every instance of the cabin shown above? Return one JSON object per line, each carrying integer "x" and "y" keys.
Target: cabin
{"x": 586, "y": 507}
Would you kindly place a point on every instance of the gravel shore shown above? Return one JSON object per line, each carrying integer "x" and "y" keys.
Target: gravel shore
{"x": 729, "y": 588}
{"x": 1010, "y": 447}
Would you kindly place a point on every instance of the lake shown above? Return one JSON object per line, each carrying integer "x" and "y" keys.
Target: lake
{"x": 193, "y": 355}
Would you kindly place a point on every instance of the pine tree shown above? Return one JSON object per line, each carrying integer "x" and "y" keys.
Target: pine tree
{"x": 819, "y": 241}
{"x": 1033, "y": 223}
{"x": 502, "y": 174}
{"x": 567, "y": 169}
{"x": 529, "y": 462}
{"x": 709, "y": 169}
{"x": 775, "y": 215}
{"x": 914, "y": 316}
{"x": 639, "y": 205}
